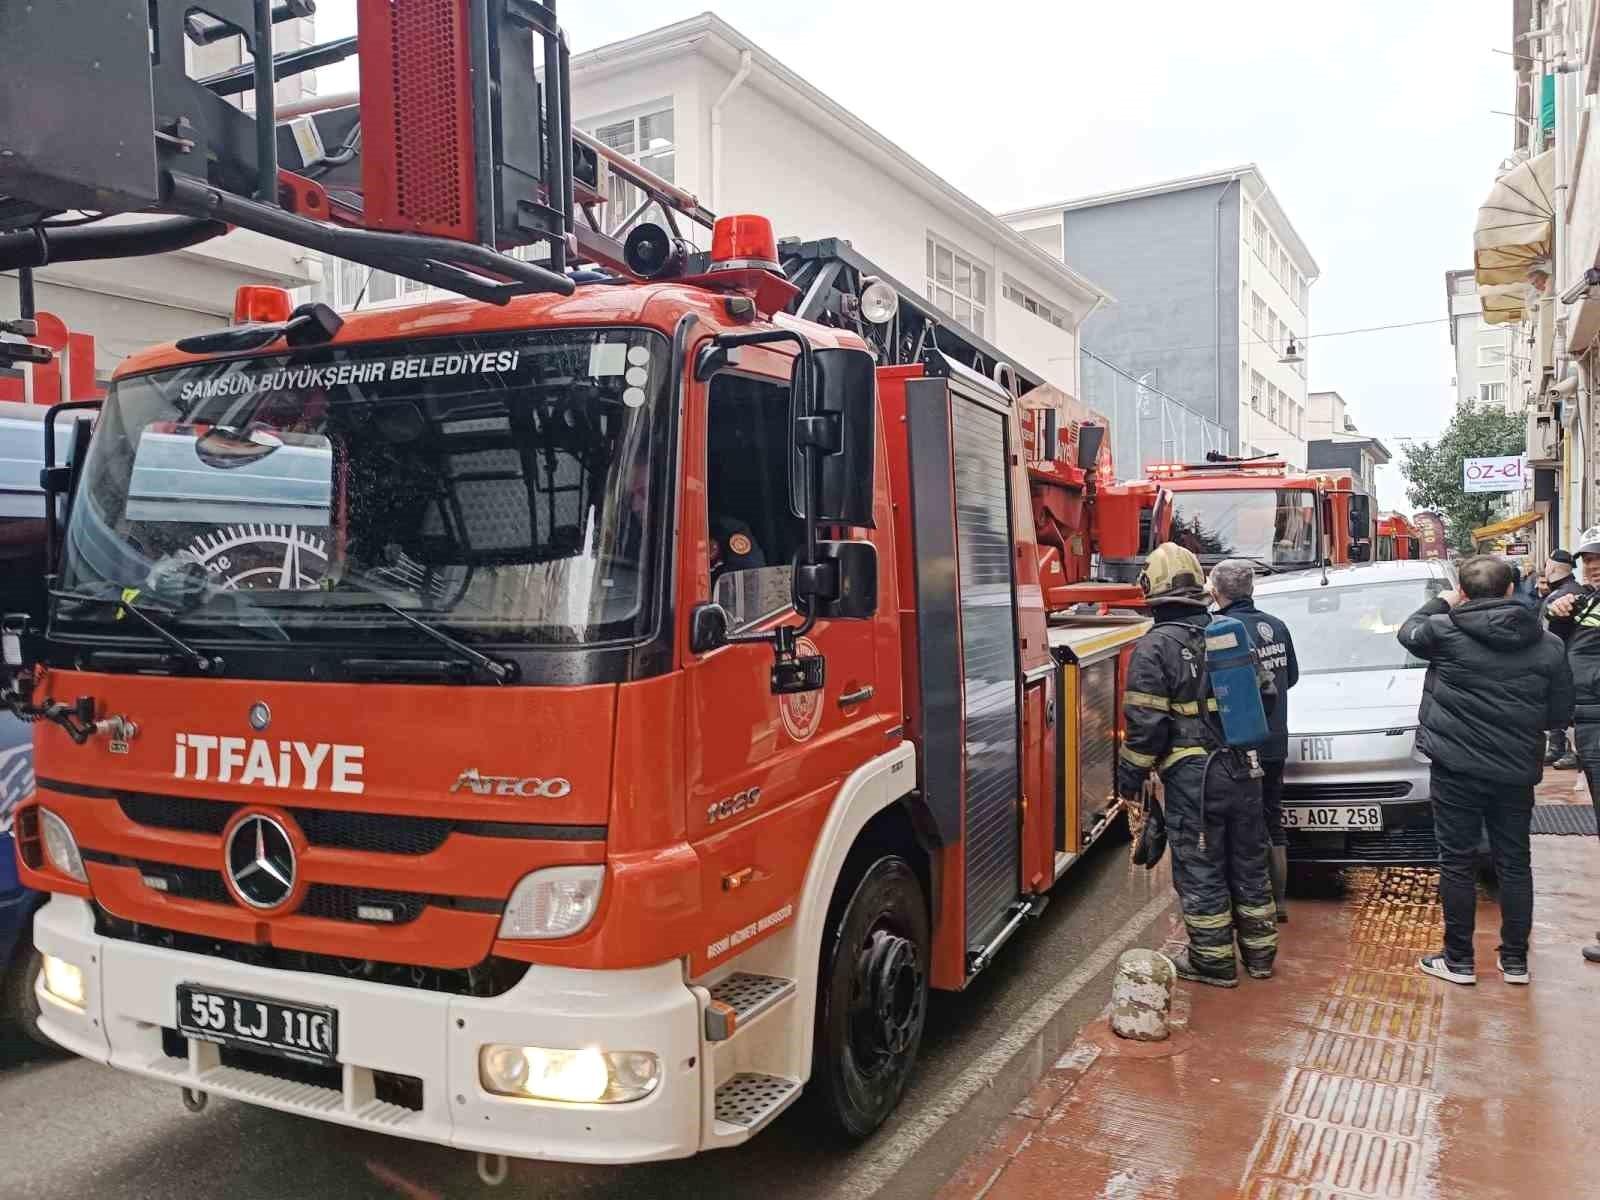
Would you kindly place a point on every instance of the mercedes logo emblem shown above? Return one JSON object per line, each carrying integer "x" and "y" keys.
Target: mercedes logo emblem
{"x": 260, "y": 861}
{"x": 260, "y": 716}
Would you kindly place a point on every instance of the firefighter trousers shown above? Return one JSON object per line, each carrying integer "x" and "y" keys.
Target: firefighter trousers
{"x": 1218, "y": 839}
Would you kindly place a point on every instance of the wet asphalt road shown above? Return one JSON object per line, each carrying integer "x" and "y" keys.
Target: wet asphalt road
{"x": 71, "y": 1129}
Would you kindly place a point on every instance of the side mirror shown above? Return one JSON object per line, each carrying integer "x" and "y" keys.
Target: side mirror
{"x": 1360, "y": 528}
{"x": 708, "y": 627}
{"x": 842, "y": 584}
{"x": 839, "y": 419}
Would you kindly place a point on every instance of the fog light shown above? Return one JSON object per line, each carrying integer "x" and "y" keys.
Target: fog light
{"x": 63, "y": 981}
{"x": 585, "y": 1076}
{"x": 60, "y": 847}
{"x": 553, "y": 903}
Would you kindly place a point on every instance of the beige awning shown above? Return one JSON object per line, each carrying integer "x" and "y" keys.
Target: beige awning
{"x": 1505, "y": 303}
{"x": 1496, "y": 529}
{"x": 1512, "y": 237}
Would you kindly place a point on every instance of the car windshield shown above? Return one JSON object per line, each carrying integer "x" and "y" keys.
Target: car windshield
{"x": 1351, "y": 628}
{"x": 1274, "y": 526}
{"x": 500, "y": 485}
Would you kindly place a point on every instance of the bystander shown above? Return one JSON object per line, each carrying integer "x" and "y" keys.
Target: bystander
{"x": 1496, "y": 682}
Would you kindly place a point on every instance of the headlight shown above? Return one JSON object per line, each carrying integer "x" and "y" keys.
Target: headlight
{"x": 63, "y": 981}
{"x": 556, "y": 902}
{"x": 60, "y": 847}
{"x": 586, "y": 1076}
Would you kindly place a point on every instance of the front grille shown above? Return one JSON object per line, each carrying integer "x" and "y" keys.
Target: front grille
{"x": 1307, "y": 793}
{"x": 1410, "y": 843}
{"x": 333, "y": 902}
{"x": 492, "y": 977}
{"x": 374, "y": 832}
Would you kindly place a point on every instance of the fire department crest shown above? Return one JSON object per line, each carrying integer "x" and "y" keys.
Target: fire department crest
{"x": 801, "y": 712}
{"x": 1265, "y": 630}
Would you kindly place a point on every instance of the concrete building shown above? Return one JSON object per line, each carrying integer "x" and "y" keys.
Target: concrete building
{"x": 1485, "y": 368}
{"x": 700, "y": 104}
{"x": 1212, "y": 285}
{"x": 1333, "y": 441}
{"x": 132, "y": 302}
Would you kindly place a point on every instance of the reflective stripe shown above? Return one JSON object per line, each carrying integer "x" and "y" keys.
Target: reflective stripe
{"x": 1260, "y": 912}
{"x": 1137, "y": 759}
{"x": 1146, "y": 700}
{"x": 1179, "y": 755}
{"x": 1191, "y": 708}
{"x": 1266, "y": 941}
{"x": 1219, "y": 920}
{"x": 1220, "y": 953}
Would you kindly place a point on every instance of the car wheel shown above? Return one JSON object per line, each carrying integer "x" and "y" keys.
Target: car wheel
{"x": 872, "y": 999}
{"x": 19, "y": 1002}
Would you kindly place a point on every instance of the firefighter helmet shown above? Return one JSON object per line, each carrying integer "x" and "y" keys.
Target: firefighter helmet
{"x": 1588, "y": 542}
{"x": 1171, "y": 567}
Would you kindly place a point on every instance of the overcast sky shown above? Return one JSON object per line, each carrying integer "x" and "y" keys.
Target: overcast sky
{"x": 1370, "y": 119}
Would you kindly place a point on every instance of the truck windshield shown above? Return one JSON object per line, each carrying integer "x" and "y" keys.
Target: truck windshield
{"x": 501, "y": 485}
{"x": 1276, "y": 527}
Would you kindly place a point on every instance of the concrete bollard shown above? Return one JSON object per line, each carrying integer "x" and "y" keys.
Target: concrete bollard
{"x": 1141, "y": 996}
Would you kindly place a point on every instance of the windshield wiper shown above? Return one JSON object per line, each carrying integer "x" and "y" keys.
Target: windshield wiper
{"x": 205, "y": 663}
{"x": 501, "y": 672}
{"x": 1262, "y": 563}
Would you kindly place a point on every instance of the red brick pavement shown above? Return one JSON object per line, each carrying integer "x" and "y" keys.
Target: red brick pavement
{"x": 1349, "y": 1075}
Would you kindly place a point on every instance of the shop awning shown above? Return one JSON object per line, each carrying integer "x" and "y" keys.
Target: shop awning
{"x": 1511, "y": 241}
{"x": 1509, "y": 525}
{"x": 1504, "y": 303}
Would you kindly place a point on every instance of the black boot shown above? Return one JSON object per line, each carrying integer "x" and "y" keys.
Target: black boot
{"x": 1278, "y": 872}
{"x": 1186, "y": 969}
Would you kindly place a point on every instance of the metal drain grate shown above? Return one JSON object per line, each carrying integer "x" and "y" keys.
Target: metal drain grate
{"x": 750, "y": 1101}
{"x": 1564, "y": 818}
{"x": 749, "y": 995}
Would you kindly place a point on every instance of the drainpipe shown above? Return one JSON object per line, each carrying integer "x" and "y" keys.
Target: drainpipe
{"x": 734, "y": 85}
{"x": 1216, "y": 296}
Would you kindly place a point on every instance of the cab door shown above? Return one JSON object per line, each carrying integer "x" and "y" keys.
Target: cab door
{"x": 762, "y": 768}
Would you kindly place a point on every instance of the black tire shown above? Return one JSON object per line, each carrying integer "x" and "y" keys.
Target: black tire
{"x": 872, "y": 999}
{"x": 19, "y": 1003}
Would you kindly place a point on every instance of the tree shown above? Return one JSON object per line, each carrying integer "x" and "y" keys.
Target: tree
{"x": 1433, "y": 469}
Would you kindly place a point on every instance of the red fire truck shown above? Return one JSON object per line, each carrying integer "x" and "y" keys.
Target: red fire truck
{"x": 1397, "y": 537}
{"x": 1261, "y": 509}
{"x": 562, "y": 726}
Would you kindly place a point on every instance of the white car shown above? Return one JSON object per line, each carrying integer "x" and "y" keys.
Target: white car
{"x": 1355, "y": 786}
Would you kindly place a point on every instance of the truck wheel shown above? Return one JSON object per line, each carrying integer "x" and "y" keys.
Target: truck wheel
{"x": 872, "y": 999}
{"x": 19, "y": 1003}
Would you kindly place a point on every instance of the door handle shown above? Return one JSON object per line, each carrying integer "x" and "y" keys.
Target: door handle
{"x": 856, "y": 697}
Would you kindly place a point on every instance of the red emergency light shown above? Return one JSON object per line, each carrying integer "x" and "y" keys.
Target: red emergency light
{"x": 744, "y": 241}
{"x": 257, "y": 305}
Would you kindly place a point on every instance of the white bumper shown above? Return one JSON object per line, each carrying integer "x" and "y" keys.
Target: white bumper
{"x": 131, "y": 994}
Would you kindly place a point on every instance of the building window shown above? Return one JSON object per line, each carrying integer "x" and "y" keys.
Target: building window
{"x": 957, "y": 284}
{"x": 1272, "y": 326}
{"x": 1492, "y": 395}
{"x": 1273, "y": 398}
{"x": 645, "y": 137}
{"x": 1024, "y": 298}
{"x": 1258, "y": 228}
{"x": 1285, "y": 271}
{"x": 1258, "y": 314}
{"x": 1258, "y": 390}
{"x": 1491, "y": 354}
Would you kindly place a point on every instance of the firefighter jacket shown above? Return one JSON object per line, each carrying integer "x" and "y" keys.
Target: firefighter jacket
{"x": 1274, "y": 651}
{"x": 1580, "y": 630}
{"x": 1163, "y": 695}
{"x": 1567, "y": 587}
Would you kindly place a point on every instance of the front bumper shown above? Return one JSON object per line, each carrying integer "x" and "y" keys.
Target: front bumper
{"x": 1405, "y": 840}
{"x": 131, "y": 996}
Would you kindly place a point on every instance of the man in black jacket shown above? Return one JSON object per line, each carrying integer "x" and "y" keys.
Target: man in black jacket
{"x": 1575, "y": 618}
{"x": 1214, "y": 825}
{"x": 1233, "y": 584}
{"x": 1563, "y": 581}
{"x": 1496, "y": 682}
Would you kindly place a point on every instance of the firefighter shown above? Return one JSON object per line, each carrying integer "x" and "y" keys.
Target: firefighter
{"x": 1214, "y": 821}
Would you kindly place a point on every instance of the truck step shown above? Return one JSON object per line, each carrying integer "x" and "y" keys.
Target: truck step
{"x": 740, "y": 999}
{"x": 748, "y": 1101}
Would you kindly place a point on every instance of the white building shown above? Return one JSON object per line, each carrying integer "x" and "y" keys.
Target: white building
{"x": 1212, "y": 284}
{"x": 1484, "y": 359}
{"x": 128, "y": 303}
{"x": 701, "y": 105}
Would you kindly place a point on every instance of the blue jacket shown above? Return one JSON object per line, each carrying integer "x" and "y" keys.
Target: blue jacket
{"x": 1274, "y": 648}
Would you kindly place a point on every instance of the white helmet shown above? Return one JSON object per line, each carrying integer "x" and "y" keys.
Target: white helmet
{"x": 1588, "y": 542}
